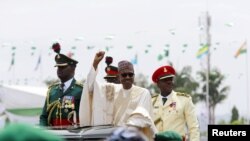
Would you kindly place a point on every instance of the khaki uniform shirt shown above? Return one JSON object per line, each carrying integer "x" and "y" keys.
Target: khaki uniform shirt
{"x": 177, "y": 114}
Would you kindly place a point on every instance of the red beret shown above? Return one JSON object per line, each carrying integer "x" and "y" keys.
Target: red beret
{"x": 163, "y": 72}
{"x": 111, "y": 71}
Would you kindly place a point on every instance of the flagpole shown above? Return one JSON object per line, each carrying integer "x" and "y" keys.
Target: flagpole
{"x": 205, "y": 40}
{"x": 247, "y": 84}
{"x": 208, "y": 42}
{"x": 41, "y": 66}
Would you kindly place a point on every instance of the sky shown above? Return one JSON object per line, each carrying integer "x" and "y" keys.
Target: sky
{"x": 151, "y": 25}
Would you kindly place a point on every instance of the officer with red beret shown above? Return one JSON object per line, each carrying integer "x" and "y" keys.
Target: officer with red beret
{"x": 111, "y": 71}
{"x": 173, "y": 111}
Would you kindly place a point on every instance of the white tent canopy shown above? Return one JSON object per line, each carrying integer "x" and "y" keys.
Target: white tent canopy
{"x": 14, "y": 97}
{"x": 21, "y": 103}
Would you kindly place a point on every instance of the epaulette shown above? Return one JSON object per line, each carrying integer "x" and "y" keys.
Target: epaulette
{"x": 54, "y": 84}
{"x": 154, "y": 95}
{"x": 157, "y": 120}
{"x": 79, "y": 84}
{"x": 154, "y": 98}
{"x": 48, "y": 92}
{"x": 183, "y": 94}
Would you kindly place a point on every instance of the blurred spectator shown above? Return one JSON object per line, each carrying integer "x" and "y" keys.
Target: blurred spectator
{"x": 3, "y": 116}
{"x": 168, "y": 136}
{"x": 24, "y": 132}
{"x": 127, "y": 134}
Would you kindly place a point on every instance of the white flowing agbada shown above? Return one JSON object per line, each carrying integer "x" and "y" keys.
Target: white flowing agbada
{"x": 109, "y": 103}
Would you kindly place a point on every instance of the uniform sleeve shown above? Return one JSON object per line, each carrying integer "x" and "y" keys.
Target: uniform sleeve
{"x": 192, "y": 121}
{"x": 44, "y": 116}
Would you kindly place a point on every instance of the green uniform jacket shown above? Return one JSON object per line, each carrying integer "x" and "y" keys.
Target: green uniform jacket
{"x": 61, "y": 106}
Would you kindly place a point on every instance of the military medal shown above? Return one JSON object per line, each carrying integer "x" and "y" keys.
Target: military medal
{"x": 69, "y": 106}
{"x": 66, "y": 110}
{"x": 173, "y": 105}
{"x": 68, "y": 103}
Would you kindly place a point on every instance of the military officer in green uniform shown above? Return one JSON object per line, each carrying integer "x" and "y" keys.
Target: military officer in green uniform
{"x": 173, "y": 111}
{"x": 62, "y": 101}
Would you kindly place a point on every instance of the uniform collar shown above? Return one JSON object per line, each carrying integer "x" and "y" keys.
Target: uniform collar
{"x": 171, "y": 98}
{"x": 168, "y": 97}
{"x": 67, "y": 84}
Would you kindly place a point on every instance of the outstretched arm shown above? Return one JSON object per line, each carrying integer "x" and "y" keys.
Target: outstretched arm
{"x": 91, "y": 78}
{"x": 86, "y": 107}
{"x": 98, "y": 57}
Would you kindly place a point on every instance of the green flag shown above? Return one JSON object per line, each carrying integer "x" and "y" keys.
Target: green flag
{"x": 241, "y": 50}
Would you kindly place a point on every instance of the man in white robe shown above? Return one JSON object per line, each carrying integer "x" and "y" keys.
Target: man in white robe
{"x": 119, "y": 104}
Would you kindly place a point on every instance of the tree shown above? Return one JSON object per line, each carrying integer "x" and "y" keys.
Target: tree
{"x": 238, "y": 122}
{"x": 235, "y": 114}
{"x": 185, "y": 83}
{"x": 153, "y": 89}
{"x": 141, "y": 80}
{"x": 217, "y": 92}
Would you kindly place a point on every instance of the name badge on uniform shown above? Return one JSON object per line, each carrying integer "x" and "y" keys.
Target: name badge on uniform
{"x": 68, "y": 102}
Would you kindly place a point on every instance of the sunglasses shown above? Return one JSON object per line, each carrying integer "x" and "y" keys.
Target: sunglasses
{"x": 127, "y": 74}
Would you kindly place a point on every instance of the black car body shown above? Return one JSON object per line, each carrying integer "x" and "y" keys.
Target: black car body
{"x": 87, "y": 133}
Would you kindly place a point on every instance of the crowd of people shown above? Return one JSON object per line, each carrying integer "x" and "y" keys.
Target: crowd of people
{"x": 169, "y": 115}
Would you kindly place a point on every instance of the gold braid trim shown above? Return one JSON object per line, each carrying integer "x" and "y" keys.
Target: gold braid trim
{"x": 47, "y": 98}
{"x": 154, "y": 98}
{"x": 183, "y": 94}
{"x": 79, "y": 84}
{"x": 157, "y": 120}
{"x": 59, "y": 107}
{"x": 70, "y": 115}
{"x": 55, "y": 104}
{"x": 51, "y": 106}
